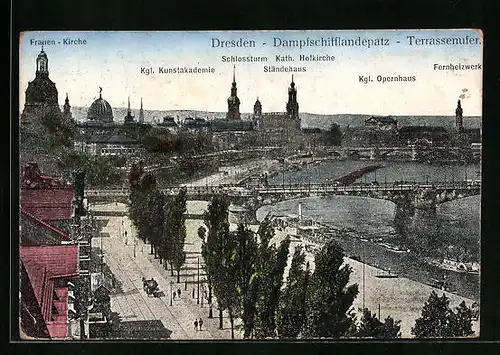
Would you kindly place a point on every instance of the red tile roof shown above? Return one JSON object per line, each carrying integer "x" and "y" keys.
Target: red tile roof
{"x": 48, "y": 204}
{"x": 44, "y": 264}
{"x": 60, "y": 260}
{"x": 59, "y": 232}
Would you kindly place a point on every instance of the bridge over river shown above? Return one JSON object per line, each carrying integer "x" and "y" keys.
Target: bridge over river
{"x": 416, "y": 200}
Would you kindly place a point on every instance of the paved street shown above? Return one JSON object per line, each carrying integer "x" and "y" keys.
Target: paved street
{"x": 132, "y": 304}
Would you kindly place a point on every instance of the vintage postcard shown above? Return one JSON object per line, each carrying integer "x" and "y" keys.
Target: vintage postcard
{"x": 250, "y": 184}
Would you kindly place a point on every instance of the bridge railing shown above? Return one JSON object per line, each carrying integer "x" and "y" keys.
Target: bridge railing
{"x": 252, "y": 190}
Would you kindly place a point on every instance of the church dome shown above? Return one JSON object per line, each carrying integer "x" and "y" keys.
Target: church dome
{"x": 100, "y": 110}
{"x": 41, "y": 90}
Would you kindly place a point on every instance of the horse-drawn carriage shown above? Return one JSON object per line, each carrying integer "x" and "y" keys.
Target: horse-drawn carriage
{"x": 150, "y": 286}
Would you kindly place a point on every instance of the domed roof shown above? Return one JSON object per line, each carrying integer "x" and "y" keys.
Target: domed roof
{"x": 41, "y": 90}
{"x": 100, "y": 110}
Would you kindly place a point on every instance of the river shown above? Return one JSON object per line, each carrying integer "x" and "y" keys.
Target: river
{"x": 459, "y": 220}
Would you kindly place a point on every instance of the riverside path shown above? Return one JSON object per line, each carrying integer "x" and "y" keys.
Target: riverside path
{"x": 128, "y": 259}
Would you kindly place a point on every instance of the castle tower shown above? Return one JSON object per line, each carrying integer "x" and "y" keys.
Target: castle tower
{"x": 458, "y": 118}
{"x": 129, "y": 118}
{"x": 141, "y": 114}
{"x": 67, "y": 109}
{"x": 292, "y": 106}
{"x": 233, "y": 102}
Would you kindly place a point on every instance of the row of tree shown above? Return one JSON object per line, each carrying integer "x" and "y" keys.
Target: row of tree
{"x": 158, "y": 221}
{"x": 245, "y": 274}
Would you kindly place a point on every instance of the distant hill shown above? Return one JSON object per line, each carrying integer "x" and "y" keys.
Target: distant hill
{"x": 308, "y": 119}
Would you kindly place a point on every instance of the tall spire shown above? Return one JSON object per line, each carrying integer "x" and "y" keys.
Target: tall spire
{"x": 128, "y": 110}
{"x": 67, "y": 108}
{"x": 233, "y": 102}
{"x": 141, "y": 113}
{"x": 100, "y": 92}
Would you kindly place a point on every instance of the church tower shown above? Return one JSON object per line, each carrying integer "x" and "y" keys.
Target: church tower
{"x": 129, "y": 118}
{"x": 458, "y": 118}
{"x": 233, "y": 102}
{"x": 141, "y": 114}
{"x": 67, "y": 109}
{"x": 292, "y": 106}
{"x": 41, "y": 96}
{"x": 257, "y": 109}
{"x": 257, "y": 112}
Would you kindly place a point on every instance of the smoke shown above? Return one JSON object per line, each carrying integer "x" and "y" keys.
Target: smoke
{"x": 464, "y": 95}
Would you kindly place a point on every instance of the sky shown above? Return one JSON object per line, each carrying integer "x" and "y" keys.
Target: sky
{"x": 113, "y": 61}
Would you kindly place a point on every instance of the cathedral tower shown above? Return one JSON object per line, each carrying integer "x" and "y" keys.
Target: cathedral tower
{"x": 292, "y": 106}
{"x": 233, "y": 102}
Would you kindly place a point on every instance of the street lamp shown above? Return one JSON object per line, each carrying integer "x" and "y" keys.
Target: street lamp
{"x": 198, "y": 293}
{"x": 171, "y": 295}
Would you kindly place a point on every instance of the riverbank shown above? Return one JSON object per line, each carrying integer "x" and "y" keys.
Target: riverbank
{"x": 401, "y": 298}
{"x": 236, "y": 174}
{"x": 398, "y": 297}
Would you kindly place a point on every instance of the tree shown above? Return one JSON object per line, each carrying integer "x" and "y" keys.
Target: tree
{"x": 269, "y": 287}
{"x": 226, "y": 279}
{"x": 333, "y": 136}
{"x": 156, "y": 219}
{"x": 61, "y": 132}
{"x": 135, "y": 174}
{"x": 216, "y": 220}
{"x": 439, "y": 321}
{"x": 291, "y": 308}
{"x": 177, "y": 232}
{"x": 328, "y": 298}
{"x": 463, "y": 321}
{"x": 371, "y": 327}
{"x": 247, "y": 253}
{"x": 140, "y": 206}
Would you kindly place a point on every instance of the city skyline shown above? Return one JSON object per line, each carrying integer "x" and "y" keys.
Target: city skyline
{"x": 113, "y": 61}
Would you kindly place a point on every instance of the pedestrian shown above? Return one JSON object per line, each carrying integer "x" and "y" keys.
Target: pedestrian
{"x": 174, "y": 295}
{"x": 179, "y": 293}
{"x": 196, "y": 324}
{"x": 200, "y": 322}
{"x": 193, "y": 292}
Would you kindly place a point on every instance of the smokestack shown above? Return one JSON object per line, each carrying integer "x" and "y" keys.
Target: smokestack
{"x": 300, "y": 211}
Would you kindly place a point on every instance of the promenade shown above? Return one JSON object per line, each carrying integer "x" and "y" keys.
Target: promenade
{"x": 137, "y": 311}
